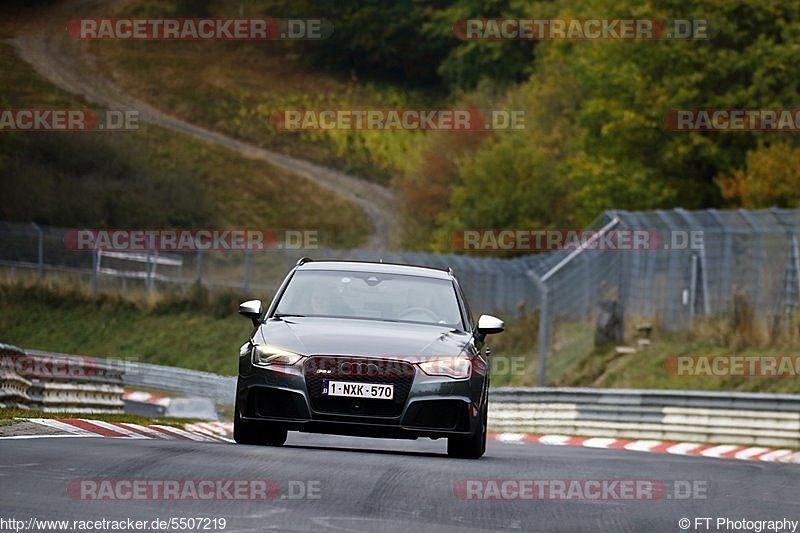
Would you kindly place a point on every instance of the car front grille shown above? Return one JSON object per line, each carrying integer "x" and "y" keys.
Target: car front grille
{"x": 358, "y": 370}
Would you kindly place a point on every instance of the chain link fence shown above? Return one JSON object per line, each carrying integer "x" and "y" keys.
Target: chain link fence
{"x": 721, "y": 265}
{"x": 492, "y": 284}
{"x": 697, "y": 264}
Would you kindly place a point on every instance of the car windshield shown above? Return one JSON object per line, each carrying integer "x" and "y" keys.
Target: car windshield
{"x": 371, "y": 295}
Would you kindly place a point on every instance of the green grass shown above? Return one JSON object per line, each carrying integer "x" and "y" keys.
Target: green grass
{"x": 646, "y": 369}
{"x": 8, "y": 416}
{"x": 149, "y": 177}
{"x": 234, "y": 88}
{"x": 202, "y": 331}
{"x": 180, "y": 331}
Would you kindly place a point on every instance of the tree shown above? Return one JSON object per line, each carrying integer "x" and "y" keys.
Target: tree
{"x": 772, "y": 178}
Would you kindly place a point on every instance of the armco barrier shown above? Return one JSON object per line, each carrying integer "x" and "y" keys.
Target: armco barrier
{"x": 13, "y": 387}
{"x": 691, "y": 416}
{"x": 55, "y": 382}
{"x": 221, "y": 389}
{"x": 687, "y": 416}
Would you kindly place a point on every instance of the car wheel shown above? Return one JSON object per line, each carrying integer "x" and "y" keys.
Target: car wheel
{"x": 472, "y": 447}
{"x": 259, "y": 433}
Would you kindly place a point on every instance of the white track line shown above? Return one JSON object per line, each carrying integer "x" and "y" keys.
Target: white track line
{"x": 642, "y": 445}
{"x": 509, "y": 437}
{"x": 597, "y": 442}
{"x": 554, "y": 440}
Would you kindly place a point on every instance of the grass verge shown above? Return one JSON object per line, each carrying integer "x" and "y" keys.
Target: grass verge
{"x": 8, "y": 416}
{"x": 193, "y": 330}
{"x": 647, "y": 369}
{"x": 202, "y": 331}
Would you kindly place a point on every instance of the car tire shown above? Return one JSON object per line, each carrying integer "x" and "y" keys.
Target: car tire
{"x": 472, "y": 447}
{"x": 258, "y": 433}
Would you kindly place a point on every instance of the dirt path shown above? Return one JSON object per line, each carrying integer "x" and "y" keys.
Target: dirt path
{"x": 68, "y": 64}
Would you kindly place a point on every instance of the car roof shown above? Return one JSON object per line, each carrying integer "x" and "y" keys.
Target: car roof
{"x": 378, "y": 268}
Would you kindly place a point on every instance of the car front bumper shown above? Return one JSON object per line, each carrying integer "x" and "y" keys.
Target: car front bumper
{"x": 434, "y": 406}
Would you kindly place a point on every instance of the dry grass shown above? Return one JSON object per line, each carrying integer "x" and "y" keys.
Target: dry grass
{"x": 235, "y": 87}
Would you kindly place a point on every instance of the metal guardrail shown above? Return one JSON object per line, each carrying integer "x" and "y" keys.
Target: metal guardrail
{"x": 57, "y": 382}
{"x": 13, "y": 387}
{"x": 221, "y": 389}
{"x": 693, "y": 416}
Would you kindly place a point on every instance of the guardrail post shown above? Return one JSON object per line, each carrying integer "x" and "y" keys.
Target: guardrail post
{"x": 95, "y": 269}
{"x": 199, "y": 267}
{"x": 152, "y": 263}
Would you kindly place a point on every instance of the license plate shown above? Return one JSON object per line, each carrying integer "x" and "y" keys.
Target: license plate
{"x": 358, "y": 390}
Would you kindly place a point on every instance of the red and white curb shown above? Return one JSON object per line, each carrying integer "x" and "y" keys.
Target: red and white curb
{"x": 83, "y": 427}
{"x": 222, "y": 431}
{"x": 722, "y": 451}
{"x": 146, "y": 397}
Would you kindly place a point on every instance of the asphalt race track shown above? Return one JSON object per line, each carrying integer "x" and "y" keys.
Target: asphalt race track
{"x": 382, "y": 485}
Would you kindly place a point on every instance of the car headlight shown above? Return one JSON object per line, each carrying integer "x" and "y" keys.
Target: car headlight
{"x": 265, "y": 355}
{"x": 454, "y": 367}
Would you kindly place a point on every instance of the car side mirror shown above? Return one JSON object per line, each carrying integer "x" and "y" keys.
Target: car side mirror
{"x": 252, "y": 309}
{"x": 488, "y": 324}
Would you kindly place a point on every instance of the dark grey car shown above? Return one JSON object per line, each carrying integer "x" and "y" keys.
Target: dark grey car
{"x": 366, "y": 349}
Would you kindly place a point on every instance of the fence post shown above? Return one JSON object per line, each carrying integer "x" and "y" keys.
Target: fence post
{"x": 701, "y": 270}
{"x": 674, "y": 282}
{"x": 150, "y": 271}
{"x": 199, "y": 267}
{"x": 247, "y": 258}
{"x": 791, "y": 290}
{"x": 542, "y": 341}
{"x": 692, "y": 289}
{"x": 757, "y": 255}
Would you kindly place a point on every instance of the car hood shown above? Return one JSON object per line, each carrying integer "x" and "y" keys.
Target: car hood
{"x": 335, "y": 336}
